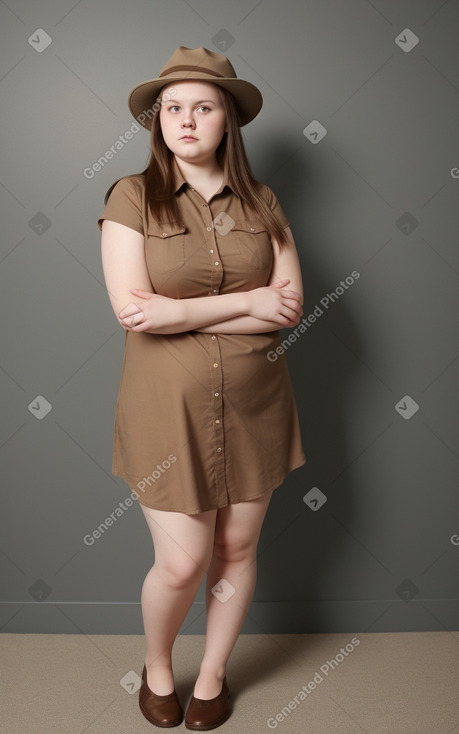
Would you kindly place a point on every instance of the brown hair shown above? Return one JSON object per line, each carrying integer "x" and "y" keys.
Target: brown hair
{"x": 231, "y": 155}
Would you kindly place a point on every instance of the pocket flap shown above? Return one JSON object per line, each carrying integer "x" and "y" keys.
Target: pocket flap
{"x": 249, "y": 225}
{"x": 165, "y": 229}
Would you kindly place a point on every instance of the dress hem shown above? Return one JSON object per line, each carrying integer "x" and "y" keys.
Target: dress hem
{"x": 246, "y": 499}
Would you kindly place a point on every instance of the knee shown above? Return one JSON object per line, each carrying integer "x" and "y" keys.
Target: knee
{"x": 180, "y": 575}
{"x": 234, "y": 548}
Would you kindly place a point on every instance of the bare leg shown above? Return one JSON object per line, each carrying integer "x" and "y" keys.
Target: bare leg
{"x": 237, "y": 532}
{"x": 183, "y": 549}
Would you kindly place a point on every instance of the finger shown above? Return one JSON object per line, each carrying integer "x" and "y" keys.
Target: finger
{"x": 293, "y": 302}
{"x": 292, "y": 294}
{"x": 133, "y": 320}
{"x": 292, "y": 312}
{"x": 141, "y": 293}
{"x": 143, "y": 326}
{"x": 279, "y": 283}
{"x": 296, "y": 309}
{"x": 129, "y": 310}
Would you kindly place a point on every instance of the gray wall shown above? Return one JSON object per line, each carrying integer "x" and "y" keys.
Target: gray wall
{"x": 377, "y": 194}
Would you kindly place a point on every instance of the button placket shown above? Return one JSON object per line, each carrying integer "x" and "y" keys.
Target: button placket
{"x": 216, "y": 384}
{"x": 216, "y": 267}
{"x": 215, "y": 362}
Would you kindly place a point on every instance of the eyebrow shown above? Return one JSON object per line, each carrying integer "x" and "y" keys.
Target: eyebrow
{"x": 200, "y": 101}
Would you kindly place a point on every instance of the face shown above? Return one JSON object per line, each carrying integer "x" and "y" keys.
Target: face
{"x": 193, "y": 121}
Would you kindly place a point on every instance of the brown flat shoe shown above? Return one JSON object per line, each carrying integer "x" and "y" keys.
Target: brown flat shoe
{"x": 203, "y": 715}
{"x": 159, "y": 710}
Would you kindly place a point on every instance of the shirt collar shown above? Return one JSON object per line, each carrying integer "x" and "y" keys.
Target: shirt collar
{"x": 181, "y": 181}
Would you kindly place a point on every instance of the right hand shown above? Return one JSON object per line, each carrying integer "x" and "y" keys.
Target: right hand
{"x": 275, "y": 303}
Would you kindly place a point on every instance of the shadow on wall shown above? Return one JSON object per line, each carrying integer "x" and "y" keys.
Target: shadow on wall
{"x": 302, "y": 539}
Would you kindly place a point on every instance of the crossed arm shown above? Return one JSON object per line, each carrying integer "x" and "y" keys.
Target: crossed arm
{"x": 259, "y": 310}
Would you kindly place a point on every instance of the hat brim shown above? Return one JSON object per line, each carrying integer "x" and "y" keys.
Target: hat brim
{"x": 144, "y": 99}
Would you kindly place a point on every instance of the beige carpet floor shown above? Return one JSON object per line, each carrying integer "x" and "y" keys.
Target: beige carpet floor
{"x": 397, "y": 683}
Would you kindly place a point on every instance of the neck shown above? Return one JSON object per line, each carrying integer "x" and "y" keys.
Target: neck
{"x": 203, "y": 171}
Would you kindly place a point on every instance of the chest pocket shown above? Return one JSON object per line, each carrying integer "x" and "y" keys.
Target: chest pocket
{"x": 165, "y": 246}
{"x": 253, "y": 243}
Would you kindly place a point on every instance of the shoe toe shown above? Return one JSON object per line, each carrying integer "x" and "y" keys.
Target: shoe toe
{"x": 203, "y": 715}
{"x": 163, "y": 711}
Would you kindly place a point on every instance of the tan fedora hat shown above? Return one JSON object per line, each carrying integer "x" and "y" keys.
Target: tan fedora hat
{"x": 195, "y": 64}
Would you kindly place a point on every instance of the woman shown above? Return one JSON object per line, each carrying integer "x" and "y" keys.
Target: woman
{"x": 197, "y": 256}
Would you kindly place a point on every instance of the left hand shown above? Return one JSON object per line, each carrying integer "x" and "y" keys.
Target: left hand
{"x": 151, "y": 314}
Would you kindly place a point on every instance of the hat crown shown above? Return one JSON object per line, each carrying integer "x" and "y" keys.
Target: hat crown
{"x": 198, "y": 60}
{"x": 200, "y": 65}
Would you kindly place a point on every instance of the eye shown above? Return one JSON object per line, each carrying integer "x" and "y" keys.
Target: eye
{"x": 173, "y": 107}
{"x": 203, "y": 107}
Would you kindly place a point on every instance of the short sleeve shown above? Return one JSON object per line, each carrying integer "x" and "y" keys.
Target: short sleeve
{"x": 275, "y": 207}
{"x": 124, "y": 205}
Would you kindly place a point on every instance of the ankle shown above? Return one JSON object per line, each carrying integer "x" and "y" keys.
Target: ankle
{"x": 212, "y": 671}
{"x": 157, "y": 667}
{"x": 160, "y": 678}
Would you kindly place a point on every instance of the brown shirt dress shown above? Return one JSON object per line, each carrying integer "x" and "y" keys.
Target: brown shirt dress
{"x": 202, "y": 420}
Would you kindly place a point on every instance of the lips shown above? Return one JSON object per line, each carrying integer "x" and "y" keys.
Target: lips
{"x": 188, "y": 137}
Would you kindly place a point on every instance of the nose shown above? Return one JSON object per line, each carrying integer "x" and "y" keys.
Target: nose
{"x": 188, "y": 122}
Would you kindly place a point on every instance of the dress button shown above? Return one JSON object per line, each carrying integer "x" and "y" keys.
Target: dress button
{"x": 211, "y": 251}
{"x": 219, "y": 449}
{"x": 163, "y": 234}
{"x": 213, "y": 338}
{"x": 217, "y": 263}
{"x": 216, "y": 394}
{"x": 209, "y": 229}
{"x": 214, "y": 290}
{"x": 252, "y": 229}
{"x": 215, "y": 364}
{"x": 217, "y": 421}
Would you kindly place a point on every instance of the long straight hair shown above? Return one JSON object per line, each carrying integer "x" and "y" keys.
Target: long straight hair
{"x": 232, "y": 157}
